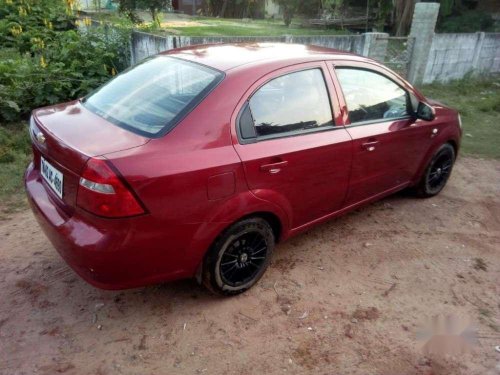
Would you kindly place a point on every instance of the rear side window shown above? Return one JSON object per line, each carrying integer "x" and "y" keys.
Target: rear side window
{"x": 150, "y": 98}
{"x": 371, "y": 96}
{"x": 291, "y": 104}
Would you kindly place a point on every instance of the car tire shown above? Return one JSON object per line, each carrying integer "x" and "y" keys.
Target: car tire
{"x": 437, "y": 173}
{"x": 239, "y": 257}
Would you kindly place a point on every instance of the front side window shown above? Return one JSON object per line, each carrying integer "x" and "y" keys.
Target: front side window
{"x": 149, "y": 98}
{"x": 370, "y": 96}
{"x": 293, "y": 103}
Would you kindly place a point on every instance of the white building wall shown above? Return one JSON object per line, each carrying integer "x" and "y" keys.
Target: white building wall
{"x": 272, "y": 9}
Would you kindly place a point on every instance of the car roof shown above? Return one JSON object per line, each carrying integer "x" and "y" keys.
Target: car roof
{"x": 225, "y": 57}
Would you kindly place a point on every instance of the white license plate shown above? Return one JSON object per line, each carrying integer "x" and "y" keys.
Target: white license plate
{"x": 52, "y": 176}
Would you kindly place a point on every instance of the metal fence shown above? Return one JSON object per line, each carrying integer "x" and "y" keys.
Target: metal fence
{"x": 398, "y": 52}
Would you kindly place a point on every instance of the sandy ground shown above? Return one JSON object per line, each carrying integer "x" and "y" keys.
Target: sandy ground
{"x": 352, "y": 296}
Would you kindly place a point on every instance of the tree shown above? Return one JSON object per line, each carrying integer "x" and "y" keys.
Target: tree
{"x": 403, "y": 14}
{"x": 154, "y": 7}
{"x": 223, "y": 9}
{"x": 289, "y": 8}
{"x": 129, "y": 7}
{"x": 448, "y": 7}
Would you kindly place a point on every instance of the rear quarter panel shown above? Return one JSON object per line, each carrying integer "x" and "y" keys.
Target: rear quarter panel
{"x": 182, "y": 180}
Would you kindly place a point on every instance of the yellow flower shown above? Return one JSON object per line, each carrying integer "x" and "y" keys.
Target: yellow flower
{"x": 43, "y": 63}
{"x": 113, "y": 71}
{"x": 16, "y": 30}
{"x": 49, "y": 25}
{"x": 87, "y": 21}
{"x": 38, "y": 42}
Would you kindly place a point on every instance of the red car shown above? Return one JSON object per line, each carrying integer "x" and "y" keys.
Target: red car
{"x": 195, "y": 162}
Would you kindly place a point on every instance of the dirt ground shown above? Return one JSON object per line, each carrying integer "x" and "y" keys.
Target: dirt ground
{"x": 353, "y": 296}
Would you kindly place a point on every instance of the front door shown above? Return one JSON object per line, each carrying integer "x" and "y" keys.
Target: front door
{"x": 293, "y": 153}
{"x": 388, "y": 142}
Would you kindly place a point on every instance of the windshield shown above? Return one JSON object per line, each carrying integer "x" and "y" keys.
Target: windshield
{"x": 153, "y": 96}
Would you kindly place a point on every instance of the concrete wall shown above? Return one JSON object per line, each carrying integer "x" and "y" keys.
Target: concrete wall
{"x": 144, "y": 44}
{"x": 452, "y": 56}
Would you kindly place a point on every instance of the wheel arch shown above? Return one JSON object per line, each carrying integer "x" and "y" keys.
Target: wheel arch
{"x": 453, "y": 144}
{"x": 240, "y": 207}
{"x": 273, "y": 220}
{"x": 444, "y": 139}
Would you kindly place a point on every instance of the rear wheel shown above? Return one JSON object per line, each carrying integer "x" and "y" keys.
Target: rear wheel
{"x": 437, "y": 172}
{"x": 239, "y": 257}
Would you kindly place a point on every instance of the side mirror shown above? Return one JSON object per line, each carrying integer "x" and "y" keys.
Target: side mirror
{"x": 425, "y": 112}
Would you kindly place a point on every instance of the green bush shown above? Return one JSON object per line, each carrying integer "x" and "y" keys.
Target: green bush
{"x": 44, "y": 59}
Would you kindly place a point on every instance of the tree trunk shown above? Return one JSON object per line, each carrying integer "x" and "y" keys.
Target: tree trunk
{"x": 287, "y": 15}
{"x": 154, "y": 16}
{"x": 223, "y": 9}
{"x": 403, "y": 16}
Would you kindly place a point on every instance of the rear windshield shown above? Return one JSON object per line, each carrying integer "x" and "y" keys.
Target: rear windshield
{"x": 150, "y": 98}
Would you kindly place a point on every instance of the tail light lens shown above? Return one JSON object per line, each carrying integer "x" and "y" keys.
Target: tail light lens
{"x": 102, "y": 192}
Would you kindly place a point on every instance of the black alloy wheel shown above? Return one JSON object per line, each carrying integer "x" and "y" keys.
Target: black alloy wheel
{"x": 239, "y": 257}
{"x": 437, "y": 172}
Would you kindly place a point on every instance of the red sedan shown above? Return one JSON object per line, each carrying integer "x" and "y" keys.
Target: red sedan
{"x": 195, "y": 162}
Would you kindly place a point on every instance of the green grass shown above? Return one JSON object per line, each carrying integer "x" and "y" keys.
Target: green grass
{"x": 478, "y": 101}
{"x": 15, "y": 154}
{"x": 203, "y": 26}
{"x": 208, "y": 26}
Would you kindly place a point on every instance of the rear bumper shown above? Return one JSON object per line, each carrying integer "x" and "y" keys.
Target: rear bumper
{"x": 111, "y": 253}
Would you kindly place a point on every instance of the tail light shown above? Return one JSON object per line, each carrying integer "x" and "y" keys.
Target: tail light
{"x": 102, "y": 192}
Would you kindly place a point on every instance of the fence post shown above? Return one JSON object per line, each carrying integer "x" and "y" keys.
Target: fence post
{"x": 375, "y": 45}
{"x": 422, "y": 29}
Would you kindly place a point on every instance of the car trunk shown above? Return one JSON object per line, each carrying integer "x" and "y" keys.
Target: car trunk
{"x": 66, "y": 136}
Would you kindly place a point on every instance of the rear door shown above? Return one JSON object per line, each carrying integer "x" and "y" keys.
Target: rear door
{"x": 388, "y": 141}
{"x": 293, "y": 152}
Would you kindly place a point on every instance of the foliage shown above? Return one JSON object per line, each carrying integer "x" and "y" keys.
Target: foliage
{"x": 234, "y": 8}
{"x": 129, "y": 8}
{"x": 447, "y": 7}
{"x": 467, "y": 22}
{"x": 48, "y": 59}
{"x": 15, "y": 153}
{"x": 289, "y": 8}
{"x": 154, "y": 7}
{"x": 292, "y": 7}
{"x": 336, "y": 6}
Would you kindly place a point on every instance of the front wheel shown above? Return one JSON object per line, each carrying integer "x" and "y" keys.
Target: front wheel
{"x": 437, "y": 172}
{"x": 239, "y": 257}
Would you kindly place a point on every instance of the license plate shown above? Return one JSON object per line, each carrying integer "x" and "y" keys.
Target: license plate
{"x": 52, "y": 176}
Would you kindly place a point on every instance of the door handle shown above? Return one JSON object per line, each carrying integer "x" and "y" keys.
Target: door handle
{"x": 273, "y": 168}
{"x": 370, "y": 146}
